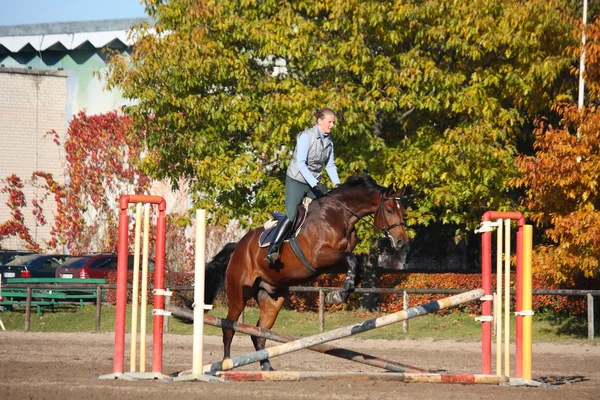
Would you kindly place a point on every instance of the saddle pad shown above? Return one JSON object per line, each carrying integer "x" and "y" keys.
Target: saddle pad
{"x": 266, "y": 237}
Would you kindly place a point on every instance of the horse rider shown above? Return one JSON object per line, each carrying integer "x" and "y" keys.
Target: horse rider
{"x": 314, "y": 150}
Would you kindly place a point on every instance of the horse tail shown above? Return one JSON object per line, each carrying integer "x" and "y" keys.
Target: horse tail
{"x": 214, "y": 273}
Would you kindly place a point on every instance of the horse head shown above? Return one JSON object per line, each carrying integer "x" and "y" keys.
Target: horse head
{"x": 389, "y": 217}
{"x": 361, "y": 196}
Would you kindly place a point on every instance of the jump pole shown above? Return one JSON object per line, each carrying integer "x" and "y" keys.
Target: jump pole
{"x": 158, "y": 291}
{"x": 294, "y": 376}
{"x": 199, "y": 306}
{"x": 328, "y": 349}
{"x": 344, "y": 331}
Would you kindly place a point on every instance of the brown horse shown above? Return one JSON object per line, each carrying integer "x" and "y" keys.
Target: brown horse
{"x": 327, "y": 240}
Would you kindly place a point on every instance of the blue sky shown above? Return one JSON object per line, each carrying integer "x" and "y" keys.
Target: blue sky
{"x": 19, "y": 12}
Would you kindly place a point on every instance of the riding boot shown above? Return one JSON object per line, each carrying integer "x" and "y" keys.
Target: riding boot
{"x": 282, "y": 231}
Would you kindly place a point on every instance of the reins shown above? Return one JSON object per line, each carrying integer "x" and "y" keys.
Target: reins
{"x": 385, "y": 231}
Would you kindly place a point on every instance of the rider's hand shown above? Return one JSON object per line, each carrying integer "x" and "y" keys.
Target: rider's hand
{"x": 320, "y": 189}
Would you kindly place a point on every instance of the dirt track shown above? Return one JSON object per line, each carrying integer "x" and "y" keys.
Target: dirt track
{"x": 63, "y": 366}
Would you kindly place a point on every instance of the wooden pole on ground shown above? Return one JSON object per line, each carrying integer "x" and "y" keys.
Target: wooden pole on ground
{"x": 345, "y": 331}
{"x": 284, "y": 338}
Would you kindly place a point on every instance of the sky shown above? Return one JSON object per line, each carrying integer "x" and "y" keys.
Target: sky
{"x": 20, "y": 12}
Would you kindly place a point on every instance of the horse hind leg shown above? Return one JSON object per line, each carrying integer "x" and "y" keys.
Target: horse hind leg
{"x": 237, "y": 300}
{"x": 269, "y": 306}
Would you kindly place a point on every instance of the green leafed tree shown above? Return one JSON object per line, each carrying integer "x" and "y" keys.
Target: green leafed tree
{"x": 437, "y": 95}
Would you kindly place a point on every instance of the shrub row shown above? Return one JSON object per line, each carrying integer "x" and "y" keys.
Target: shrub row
{"x": 389, "y": 303}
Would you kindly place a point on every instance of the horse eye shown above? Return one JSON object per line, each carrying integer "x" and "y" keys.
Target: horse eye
{"x": 388, "y": 210}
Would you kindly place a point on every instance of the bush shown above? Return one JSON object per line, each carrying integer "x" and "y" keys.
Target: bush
{"x": 575, "y": 305}
{"x": 302, "y": 301}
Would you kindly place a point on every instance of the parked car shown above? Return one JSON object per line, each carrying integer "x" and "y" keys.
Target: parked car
{"x": 33, "y": 266}
{"x": 7, "y": 256}
{"x": 94, "y": 266}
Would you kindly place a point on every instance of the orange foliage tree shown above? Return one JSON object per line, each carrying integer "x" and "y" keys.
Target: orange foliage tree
{"x": 562, "y": 182}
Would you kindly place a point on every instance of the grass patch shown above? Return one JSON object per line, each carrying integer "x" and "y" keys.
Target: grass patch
{"x": 463, "y": 327}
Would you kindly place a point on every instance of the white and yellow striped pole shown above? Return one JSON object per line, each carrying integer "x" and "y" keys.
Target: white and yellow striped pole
{"x": 144, "y": 300}
{"x": 136, "y": 284}
{"x": 498, "y": 304}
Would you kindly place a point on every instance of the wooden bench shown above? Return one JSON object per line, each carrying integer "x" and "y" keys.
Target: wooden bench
{"x": 49, "y": 296}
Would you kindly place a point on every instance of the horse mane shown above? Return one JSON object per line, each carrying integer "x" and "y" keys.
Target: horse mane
{"x": 364, "y": 180}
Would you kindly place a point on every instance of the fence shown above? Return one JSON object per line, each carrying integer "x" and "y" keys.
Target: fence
{"x": 51, "y": 294}
{"x": 589, "y": 294}
{"x": 406, "y": 292}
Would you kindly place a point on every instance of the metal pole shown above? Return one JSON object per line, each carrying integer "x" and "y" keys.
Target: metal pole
{"x": 321, "y": 311}
{"x": 28, "y": 310}
{"x": 98, "y": 307}
{"x": 405, "y": 302}
{"x": 167, "y": 308}
{"x": 582, "y": 59}
{"x": 590, "y": 316}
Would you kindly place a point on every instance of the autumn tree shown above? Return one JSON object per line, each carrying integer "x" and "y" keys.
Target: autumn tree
{"x": 437, "y": 95}
{"x": 562, "y": 181}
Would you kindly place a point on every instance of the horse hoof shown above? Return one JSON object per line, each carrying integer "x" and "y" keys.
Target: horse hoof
{"x": 266, "y": 367}
{"x": 334, "y": 298}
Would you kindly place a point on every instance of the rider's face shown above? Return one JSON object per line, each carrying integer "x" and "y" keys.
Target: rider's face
{"x": 326, "y": 123}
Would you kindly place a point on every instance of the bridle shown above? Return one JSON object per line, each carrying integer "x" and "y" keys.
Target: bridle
{"x": 386, "y": 228}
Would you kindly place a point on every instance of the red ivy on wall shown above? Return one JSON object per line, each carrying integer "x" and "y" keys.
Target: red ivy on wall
{"x": 102, "y": 155}
{"x": 13, "y": 186}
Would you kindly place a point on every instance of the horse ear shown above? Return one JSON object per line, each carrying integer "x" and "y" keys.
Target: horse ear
{"x": 402, "y": 191}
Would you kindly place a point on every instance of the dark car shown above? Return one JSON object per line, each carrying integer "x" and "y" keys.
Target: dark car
{"x": 7, "y": 256}
{"x": 33, "y": 266}
{"x": 94, "y": 266}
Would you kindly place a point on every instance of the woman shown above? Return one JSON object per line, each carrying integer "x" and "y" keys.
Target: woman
{"x": 314, "y": 150}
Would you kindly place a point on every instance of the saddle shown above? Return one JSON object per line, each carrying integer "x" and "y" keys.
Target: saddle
{"x": 267, "y": 236}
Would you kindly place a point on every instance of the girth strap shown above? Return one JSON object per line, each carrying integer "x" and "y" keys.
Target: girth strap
{"x": 300, "y": 254}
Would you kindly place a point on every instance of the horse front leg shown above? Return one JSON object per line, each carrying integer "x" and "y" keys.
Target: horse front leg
{"x": 340, "y": 297}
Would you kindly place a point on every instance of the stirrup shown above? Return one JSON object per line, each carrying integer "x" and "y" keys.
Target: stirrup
{"x": 272, "y": 256}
